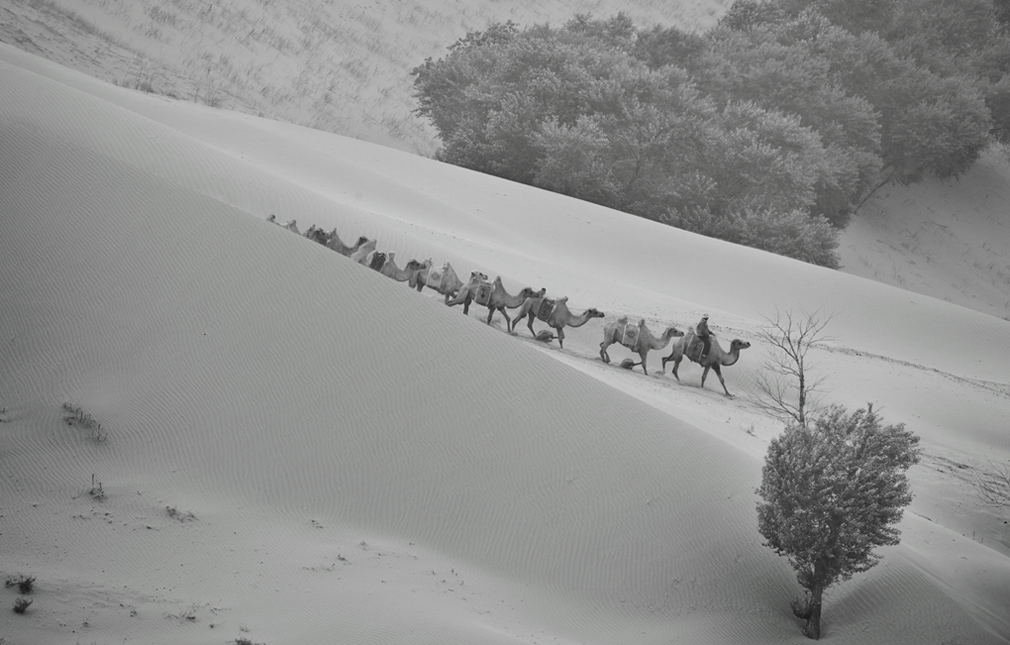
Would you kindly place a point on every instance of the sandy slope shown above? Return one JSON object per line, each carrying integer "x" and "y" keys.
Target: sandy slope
{"x": 944, "y": 238}
{"x": 349, "y": 461}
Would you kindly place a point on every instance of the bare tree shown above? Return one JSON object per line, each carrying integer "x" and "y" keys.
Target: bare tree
{"x": 994, "y": 485}
{"x": 786, "y": 382}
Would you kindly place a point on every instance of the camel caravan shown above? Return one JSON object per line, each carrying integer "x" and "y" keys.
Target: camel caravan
{"x": 697, "y": 343}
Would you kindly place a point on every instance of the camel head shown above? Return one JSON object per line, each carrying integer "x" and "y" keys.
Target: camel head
{"x": 673, "y": 332}
{"x": 738, "y": 344}
{"x": 528, "y": 292}
{"x": 362, "y": 241}
{"x": 480, "y": 276}
{"x": 592, "y": 312}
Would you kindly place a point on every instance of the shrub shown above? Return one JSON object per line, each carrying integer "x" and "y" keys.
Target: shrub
{"x": 832, "y": 492}
{"x": 75, "y": 415}
{"x": 24, "y": 583}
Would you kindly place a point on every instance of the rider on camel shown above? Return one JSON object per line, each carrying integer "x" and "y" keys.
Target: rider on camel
{"x": 701, "y": 330}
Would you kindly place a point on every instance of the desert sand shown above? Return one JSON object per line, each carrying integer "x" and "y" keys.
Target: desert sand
{"x": 299, "y": 450}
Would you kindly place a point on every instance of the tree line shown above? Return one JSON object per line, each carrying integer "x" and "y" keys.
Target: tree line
{"x": 767, "y": 130}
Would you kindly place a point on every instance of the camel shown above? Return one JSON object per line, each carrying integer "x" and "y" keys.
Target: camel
{"x": 638, "y": 339}
{"x": 536, "y": 306}
{"x": 291, "y": 226}
{"x": 717, "y": 358}
{"x": 318, "y": 235}
{"x": 444, "y": 280}
{"x": 390, "y": 270}
{"x": 336, "y": 244}
{"x": 364, "y": 250}
{"x": 494, "y": 297}
{"x": 562, "y": 317}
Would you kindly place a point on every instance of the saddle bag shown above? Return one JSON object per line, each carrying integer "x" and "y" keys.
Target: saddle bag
{"x": 630, "y": 336}
{"x": 482, "y": 294}
{"x": 545, "y": 309}
{"x": 434, "y": 277}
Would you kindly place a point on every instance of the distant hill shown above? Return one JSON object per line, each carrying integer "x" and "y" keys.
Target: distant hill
{"x": 336, "y": 66}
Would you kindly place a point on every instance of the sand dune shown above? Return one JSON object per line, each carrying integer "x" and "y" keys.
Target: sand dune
{"x": 301, "y": 450}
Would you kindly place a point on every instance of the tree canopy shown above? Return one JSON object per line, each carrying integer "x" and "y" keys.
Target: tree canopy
{"x": 768, "y": 130}
{"x": 832, "y": 492}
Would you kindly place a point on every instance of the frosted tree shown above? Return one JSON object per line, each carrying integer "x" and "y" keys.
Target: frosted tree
{"x": 832, "y": 491}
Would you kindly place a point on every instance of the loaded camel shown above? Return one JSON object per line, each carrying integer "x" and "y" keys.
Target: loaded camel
{"x": 639, "y": 340}
{"x": 318, "y": 235}
{"x": 389, "y": 269}
{"x": 536, "y": 306}
{"x": 560, "y": 316}
{"x": 334, "y": 243}
{"x": 444, "y": 280}
{"x": 494, "y": 297}
{"x": 691, "y": 346}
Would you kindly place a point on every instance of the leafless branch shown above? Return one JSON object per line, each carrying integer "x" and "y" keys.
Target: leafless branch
{"x": 786, "y": 383}
{"x": 994, "y": 485}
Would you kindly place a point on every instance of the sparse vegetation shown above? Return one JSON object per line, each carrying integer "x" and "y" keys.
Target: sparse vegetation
{"x": 96, "y": 491}
{"x": 832, "y": 492}
{"x": 993, "y": 485}
{"x": 180, "y": 516}
{"x": 22, "y": 604}
{"x": 242, "y": 640}
{"x": 25, "y": 584}
{"x": 76, "y": 416}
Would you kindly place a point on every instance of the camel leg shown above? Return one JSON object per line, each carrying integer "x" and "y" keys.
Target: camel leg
{"x": 705, "y": 374}
{"x": 644, "y": 367}
{"x": 676, "y": 366}
{"x": 604, "y": 356}
{"x": 667, "y": 359}
{"x": 718, "y": 372}
{"x": 466, "y": 307}
{"x": 529, "y": 323}
{"x": 490, "y": 314}
{"x": 561, "y": 337}
{"x": 508, "y": 321}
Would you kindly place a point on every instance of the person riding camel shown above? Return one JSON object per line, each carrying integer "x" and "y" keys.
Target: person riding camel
{"x": 702, "y": 331}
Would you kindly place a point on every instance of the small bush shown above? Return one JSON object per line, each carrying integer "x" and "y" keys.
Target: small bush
{"x": 75, "y": 415}
{"x": 21, "y": 605}
{"x": 97, "y": 492}
{"x": 25, "y": 584}
{"x": 181, "y": 516}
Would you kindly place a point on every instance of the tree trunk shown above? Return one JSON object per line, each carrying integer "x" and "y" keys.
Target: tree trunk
{"x": 813, "y": 627}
